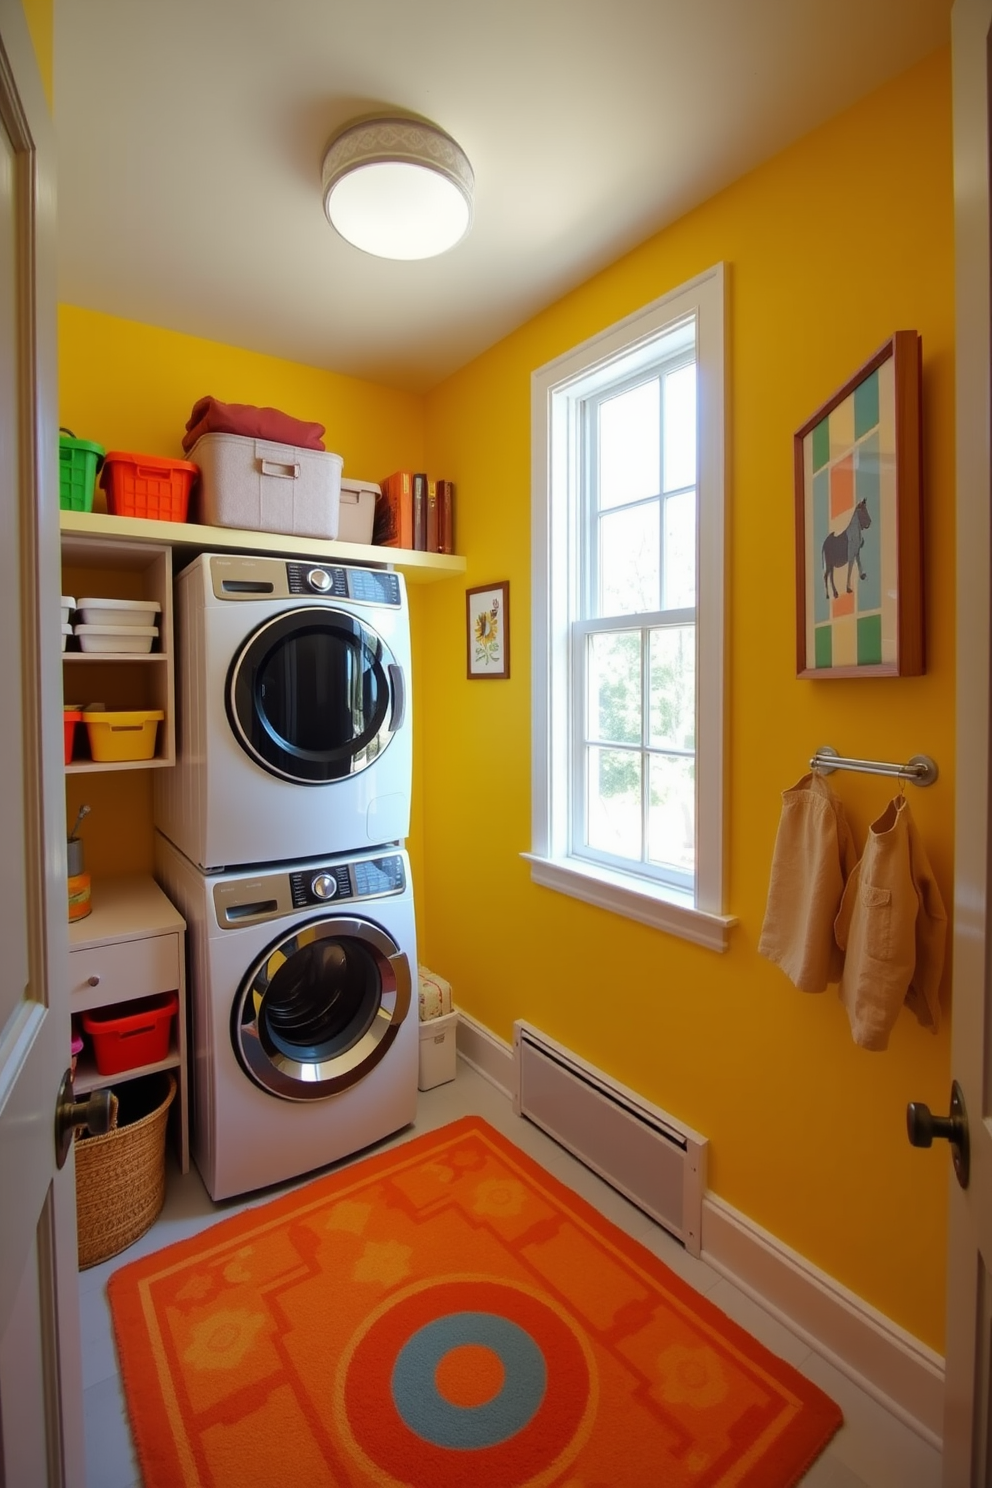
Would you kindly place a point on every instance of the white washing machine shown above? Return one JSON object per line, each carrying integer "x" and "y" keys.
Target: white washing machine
{"x": 304, "y": 1019}
{"x": 293, "y": 711}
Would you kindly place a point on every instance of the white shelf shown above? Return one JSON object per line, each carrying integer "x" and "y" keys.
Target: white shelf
{"x": 88, "y": 1077}
{"x": 419, "y": 568}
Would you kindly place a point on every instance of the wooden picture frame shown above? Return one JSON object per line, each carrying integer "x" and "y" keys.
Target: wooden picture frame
{"x": 487, "y": 626}
{"x": 859, "y": 523}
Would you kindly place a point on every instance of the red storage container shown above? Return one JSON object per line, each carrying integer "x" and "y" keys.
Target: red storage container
{"x": 147, "y": 486}
{"x": 70, "y": 717}
{"x": 138, "y": 1034}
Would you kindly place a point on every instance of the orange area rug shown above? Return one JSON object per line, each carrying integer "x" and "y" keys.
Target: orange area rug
{"x": 445, "y": 1313}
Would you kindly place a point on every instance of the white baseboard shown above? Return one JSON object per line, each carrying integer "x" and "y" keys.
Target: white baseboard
{"x": 895, "y": 1368}
{"x": 881, "y": 1358}
{"x": 488, "y": 1054}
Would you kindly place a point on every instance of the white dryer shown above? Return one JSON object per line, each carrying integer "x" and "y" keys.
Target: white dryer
{"x": 293, "y": 711}
{"x": 304, "y": 1023}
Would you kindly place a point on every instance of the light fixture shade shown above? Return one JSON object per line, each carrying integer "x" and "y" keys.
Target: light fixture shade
{"x": 397, "y": 187}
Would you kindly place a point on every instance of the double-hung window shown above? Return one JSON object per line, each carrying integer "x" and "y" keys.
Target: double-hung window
{"x": 628, "y": 619}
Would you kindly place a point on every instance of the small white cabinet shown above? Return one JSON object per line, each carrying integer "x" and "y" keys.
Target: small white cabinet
{"x": 131, "y": 945}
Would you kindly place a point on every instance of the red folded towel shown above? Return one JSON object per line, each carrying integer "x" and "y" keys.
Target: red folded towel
{"x": 210, "y": 416}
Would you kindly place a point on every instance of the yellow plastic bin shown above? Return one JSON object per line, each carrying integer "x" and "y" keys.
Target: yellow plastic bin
{"x": 115, "y": 737}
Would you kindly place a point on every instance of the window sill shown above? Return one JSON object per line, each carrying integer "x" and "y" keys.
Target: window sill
{"x": 662, "y": 909}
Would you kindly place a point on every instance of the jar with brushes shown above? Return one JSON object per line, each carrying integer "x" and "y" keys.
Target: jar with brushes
{"x": 79, "y": 879}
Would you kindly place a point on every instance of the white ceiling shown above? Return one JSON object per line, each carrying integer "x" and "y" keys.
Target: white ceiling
{"x": 191, "y": 134}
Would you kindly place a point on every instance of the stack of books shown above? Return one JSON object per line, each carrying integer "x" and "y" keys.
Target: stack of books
{"x": 416, "y": 512}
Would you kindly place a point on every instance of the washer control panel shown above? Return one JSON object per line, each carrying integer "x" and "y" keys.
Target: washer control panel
{"x": 370, "y": 878}
{"x": 366, "y": 585}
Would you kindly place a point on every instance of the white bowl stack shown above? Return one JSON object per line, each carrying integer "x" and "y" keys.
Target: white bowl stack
{"x": 68, "y": 605}
{"x": 118, "y": 626}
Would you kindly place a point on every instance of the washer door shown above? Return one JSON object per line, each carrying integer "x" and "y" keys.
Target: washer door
{"x": 315, "y": 695}
{"x": 320, "y": 1008}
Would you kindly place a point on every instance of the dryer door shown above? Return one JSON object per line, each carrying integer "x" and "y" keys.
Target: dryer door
{"x": 315, "y": 695}
{"x": 321, "y": 1007}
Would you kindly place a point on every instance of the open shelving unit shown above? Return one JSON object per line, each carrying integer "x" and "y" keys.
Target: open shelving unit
{"x": 121, "y": 569}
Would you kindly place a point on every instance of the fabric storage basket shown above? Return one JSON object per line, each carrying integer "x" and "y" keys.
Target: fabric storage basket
{"x": 261, "y": 486}
{"x": 120, "y": 1177}
{"x": 356, "y": 511}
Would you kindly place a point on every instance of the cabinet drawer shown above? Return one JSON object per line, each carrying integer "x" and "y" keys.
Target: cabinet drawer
{"x": 131, "y": 968}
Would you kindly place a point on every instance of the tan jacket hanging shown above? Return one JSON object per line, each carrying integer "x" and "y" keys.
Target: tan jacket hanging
{"x": 893, "y": 927}
{"x": 814, "y": 854}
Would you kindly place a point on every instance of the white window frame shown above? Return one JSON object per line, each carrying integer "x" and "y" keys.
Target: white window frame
{"x": 695, "y": 915}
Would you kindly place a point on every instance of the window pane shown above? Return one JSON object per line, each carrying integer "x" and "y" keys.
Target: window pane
{"x": 672, "y": 813}
{"x": 613, "y": 807}
{"x": 673, "y": 687}
{"x": 680, "y": 428}
{"x": 629, "y": 564}
{"x": 615, "y": 687}
{"x": 680, "y": 551}
{"x": 629, "y": 440}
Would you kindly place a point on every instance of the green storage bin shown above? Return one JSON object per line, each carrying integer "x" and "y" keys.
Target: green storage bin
{"x": 79, "y": 461}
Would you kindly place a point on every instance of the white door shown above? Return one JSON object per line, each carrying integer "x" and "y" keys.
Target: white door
{"x": 40, "y": 1396}
{"x": 967, "y": 1446}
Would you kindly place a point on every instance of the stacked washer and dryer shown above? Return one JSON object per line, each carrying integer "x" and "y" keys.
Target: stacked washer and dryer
{"x": 279, "y": 837}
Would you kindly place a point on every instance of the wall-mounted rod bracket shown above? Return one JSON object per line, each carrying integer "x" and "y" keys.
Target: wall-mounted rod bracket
{"x": 921, "y": 769}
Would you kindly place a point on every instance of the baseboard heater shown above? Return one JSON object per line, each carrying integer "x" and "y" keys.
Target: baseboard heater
{"x": 636, "y": 1147}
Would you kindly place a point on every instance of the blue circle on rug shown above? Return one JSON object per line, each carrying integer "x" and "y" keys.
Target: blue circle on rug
{"x": 438, "y": 1421}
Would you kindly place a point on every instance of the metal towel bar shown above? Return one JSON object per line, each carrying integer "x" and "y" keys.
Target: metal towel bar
{"x": 921, "y": 769}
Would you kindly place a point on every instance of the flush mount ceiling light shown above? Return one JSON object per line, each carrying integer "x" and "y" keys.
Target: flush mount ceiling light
{"x": 397, "y": 187}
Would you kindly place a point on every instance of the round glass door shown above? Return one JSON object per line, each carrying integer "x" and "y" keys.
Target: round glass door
{"x": 314, "y": 695}
{"x": 320, "y": 1008}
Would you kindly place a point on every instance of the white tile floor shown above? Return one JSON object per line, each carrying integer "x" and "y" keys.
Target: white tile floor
{"x": 872, "y": 1449}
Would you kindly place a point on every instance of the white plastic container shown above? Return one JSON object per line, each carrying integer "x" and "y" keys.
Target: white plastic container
{"x": 68, "y": 605}
{"x": 356, "y": 511}
{"x": 437, "y": 1051}
{"x": 66, "y": 633}
{"x": 132, "y": 640}
{"x": 117, "y": 611}
{"x": 261, "y": 486}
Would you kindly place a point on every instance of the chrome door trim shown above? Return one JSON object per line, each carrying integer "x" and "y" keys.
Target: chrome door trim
{"x": 292, "y": 1079}
{"x": 385, "y": 663}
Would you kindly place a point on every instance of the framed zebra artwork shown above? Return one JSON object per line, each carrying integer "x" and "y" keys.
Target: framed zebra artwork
{"x": 859, "y": 529}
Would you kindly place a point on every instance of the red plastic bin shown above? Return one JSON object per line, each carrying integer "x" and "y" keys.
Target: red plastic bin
{"x": 140, "y": 1035}
{"x": 147, "y": 485}
{"x": 70, "y": 717}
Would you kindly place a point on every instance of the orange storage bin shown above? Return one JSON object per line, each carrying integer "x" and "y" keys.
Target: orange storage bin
{"x": 123, "y": 1040}
{"x": 147, "y": 485}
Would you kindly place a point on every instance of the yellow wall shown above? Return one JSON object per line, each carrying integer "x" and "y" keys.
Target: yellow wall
{"x": 831, "y": 247}
{"x": 38, "y": 14}
{"x": 131, "y": 387}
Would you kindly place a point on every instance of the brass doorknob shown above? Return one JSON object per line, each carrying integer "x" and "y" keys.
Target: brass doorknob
{"x": 94, "y": 1113}
{"x": 922, "y": 1126}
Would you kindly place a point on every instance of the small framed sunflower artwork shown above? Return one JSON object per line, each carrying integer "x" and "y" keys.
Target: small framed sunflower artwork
{"x": 487, "y": 615}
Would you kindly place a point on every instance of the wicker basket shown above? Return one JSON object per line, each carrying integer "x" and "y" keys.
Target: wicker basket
{"x": 120, "y": 1182}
